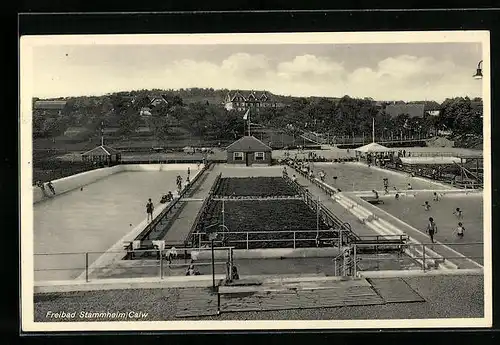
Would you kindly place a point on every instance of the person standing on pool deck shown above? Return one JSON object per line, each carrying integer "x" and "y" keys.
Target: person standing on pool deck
{"x": 458, "y": 213}
{"x": 431, "y": 229}
{"x": 189, "y": 172}
{"x": 149, "y": 210}
{"x": 51, "y": 187}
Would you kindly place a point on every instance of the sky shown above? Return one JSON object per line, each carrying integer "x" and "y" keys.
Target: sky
{"x": 402, "y": 71}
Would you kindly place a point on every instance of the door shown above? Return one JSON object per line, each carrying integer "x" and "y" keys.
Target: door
{"x": 247, "y": 159}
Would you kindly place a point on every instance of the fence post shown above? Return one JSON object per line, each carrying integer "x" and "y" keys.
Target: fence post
{"x": 161, "y": 264}
{"x": 355, "y": 262}
{"x": 87, "y": 267}
{"x": 247, "y": 240}
{"x": 294, "y": 243}
{"x": 423, "y": 255}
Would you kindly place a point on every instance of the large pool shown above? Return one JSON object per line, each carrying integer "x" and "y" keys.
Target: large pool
{"x": 359, "y": 177}
{"x": 93, "y": 219}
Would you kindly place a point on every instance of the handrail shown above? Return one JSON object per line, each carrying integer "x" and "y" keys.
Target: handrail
{"x": 273, "y": 232}
{"x": 154, "y": 223}
{"x": 334, "y": 218}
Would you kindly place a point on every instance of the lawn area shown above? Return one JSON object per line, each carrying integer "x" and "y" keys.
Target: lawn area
{"x": 254, "y": 186}
{"x": 271, "y": 216}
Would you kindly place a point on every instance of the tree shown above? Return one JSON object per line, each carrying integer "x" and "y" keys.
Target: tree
{"x": 129, "y": 121}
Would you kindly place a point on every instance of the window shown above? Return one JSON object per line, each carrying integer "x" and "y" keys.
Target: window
{"x": 259, "y": 156}
{"x": 238, "y": 156}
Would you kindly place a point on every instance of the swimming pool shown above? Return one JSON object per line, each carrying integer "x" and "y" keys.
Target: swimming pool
{"x": 359, "y": 177}
{"x": 93, "y": 219}
{"x": 410, "y": 210}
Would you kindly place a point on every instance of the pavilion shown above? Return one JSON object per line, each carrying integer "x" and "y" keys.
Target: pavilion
{"x": 102, "y": 154}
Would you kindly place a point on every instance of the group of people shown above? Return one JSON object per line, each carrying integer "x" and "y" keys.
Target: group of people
{"x": 385, "y": 181}
{"x": 432, "y": 227}
{"x": 402, "y": 153}
{"x": 41, "y": 185}
{"x": 166, "y": 198}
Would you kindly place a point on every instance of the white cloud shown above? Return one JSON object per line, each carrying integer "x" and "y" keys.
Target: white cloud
{"x": 401, "y": 77}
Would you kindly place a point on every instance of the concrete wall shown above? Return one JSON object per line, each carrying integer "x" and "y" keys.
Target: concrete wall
{"x": 72, "y": 182}
{"x": 274, "y": 253}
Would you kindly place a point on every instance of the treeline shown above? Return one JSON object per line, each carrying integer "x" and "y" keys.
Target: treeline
{"x": 353, "y": 117}
{"x": 200, "y": 112}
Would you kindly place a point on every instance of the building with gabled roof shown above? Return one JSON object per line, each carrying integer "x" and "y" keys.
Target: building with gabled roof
{"x": 241, "y": 101}
{"x": 249, "y": 150}
{"x": 102, "y": 154}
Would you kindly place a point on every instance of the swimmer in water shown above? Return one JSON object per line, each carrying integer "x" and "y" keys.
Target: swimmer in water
{"x": 409, "y": 186}
{"x": 436, "y": 197}
{"x": 458, "y": 213}
{"x": 426, "y": 206}
{"x": 396, "y": 196}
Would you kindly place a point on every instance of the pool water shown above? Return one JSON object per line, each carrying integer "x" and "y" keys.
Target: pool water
{"x": 358, "y": 177}
{"x": 93, "y": 219}
{"x": 410, "y": 210}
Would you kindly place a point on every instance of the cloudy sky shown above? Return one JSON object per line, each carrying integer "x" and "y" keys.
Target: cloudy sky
{"x": 416, "y": 71}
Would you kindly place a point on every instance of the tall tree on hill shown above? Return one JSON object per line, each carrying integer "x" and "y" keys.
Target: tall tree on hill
{"x": 457, "y": 115}
{"x": 129, "y": 121}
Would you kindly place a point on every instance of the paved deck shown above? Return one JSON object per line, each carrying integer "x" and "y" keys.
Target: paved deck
{"x": 445, "y": 297}
{"x": 337, "y": 209}
{"x": 182, "y": 224}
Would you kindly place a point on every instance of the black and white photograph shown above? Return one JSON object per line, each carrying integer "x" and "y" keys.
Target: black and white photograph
{"x": 256, "y": 181}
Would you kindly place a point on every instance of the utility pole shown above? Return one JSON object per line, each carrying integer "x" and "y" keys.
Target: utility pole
{"x": 102, "y": 133}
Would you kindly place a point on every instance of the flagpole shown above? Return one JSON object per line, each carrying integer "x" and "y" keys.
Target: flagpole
{"x": 373, "y": 129}
{"x": 249, "y": 112}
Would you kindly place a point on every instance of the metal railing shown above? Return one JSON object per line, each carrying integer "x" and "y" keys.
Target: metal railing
{"x": 275, "y": 239}
{"x": 425, "y": 254}
{"x": 328, "y": 217}
{"x": 300, "y": 239}
{"x": 153, "y": 262}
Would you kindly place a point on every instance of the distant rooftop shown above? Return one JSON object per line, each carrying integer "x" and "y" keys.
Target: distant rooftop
{"x": 50, "y": 105}
{"x": 413, "y": 110}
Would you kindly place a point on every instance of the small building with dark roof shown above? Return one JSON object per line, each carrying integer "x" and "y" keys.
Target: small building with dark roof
{"x": 102, "y": 155}
{"x": 249, "y": 150}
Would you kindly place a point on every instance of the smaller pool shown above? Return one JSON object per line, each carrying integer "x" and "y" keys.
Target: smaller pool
{"x": 410, "y": 210}
{"x": 358, "y": 177}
